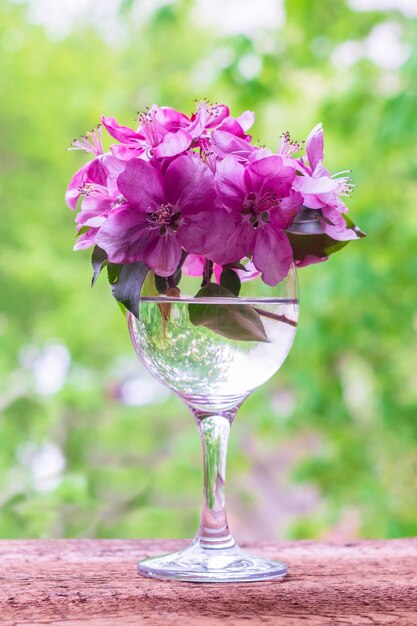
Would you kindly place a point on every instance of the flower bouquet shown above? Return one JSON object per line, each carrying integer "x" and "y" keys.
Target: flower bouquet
{"x": 200, "y": 231}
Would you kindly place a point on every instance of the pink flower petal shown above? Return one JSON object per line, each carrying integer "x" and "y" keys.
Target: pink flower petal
{"x": 226, "y": 144}
{"x": 273, "y": 169}
{"x": 235, "y": 245}
{"x": 199, "y": 120}
{"x": 231, "y": 125}
{"x": 272, "y": 255}
{"x": 284, "y": 215}
{"x": 315, "y": 146}
{"x": 125, "y": 236}
{"x": 163, "y": 255}
{"x": 230, "y": 183}
{"x": 246, "y": 120}
{"x": 338, "y": 233}
{"x": 193, "y": 265}
{"x": 125, "y": 152}
{"x": 73, "y": 191}
{"x": 260, "y": 153}
{"x": 310, "y": 185}
{"x": 320, "y": 171}
{"x": 337, "y": 229}
{"x": 250, "y": 274}
{"x": 171, "y": 119}
{"x": 141, "y": 184}
{"x": 94, "y": 171}
{"x": 86, "y": 240}
{"x": 310, "y": 260}
{"x": 217, "y": 272}
{"x": 122, "y": 133}
{"x": 207, "y": 117}
{"x": 85, "y": 216}
{"x": 217, "y": 114}
{"x": 313, "y": 202}
{"x": 97, "y": 172}
{"x": 113, "y": 165}
{"x": 201, "y": 233}
{"x": 189, "y": 184}
{"x": 173, "y": 144}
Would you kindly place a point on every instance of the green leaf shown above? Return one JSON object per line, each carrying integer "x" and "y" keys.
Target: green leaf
{"x": 113, "y": 272}
{"x": 234, "y": 321}
{"x": 177, "y": 277}
{"x": 126, "y": 283}
{"x": 98, "y": 261}
{"x": 236, "y": 266}
{"x": 230, "y": 280}
{"x": 307, "y": 237}
{"x": 177, "y": 274}
{"x": 161, "y": 284}
{"x": 307, "y": 222}
{"x": 350, "y": 224}
{"x": 313, "y": 245}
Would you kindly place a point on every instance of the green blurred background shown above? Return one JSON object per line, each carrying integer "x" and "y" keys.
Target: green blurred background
{"x": 90, "y": 444}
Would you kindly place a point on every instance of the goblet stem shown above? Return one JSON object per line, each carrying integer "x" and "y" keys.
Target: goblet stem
{"x": 214, "y": 432}
{"x": 213, "y": 556}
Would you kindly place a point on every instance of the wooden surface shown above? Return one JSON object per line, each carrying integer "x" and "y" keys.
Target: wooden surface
{"x": 94, "y": 583}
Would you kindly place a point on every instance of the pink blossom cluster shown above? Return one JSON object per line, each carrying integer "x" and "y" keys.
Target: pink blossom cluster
{"x": 198, "y": 184}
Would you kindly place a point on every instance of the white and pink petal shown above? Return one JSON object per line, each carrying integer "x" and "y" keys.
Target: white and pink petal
{"x": 315, "y": 146}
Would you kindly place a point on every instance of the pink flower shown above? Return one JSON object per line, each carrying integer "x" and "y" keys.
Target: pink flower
{"x": 124, "y": 134}
{"x": 163, "y": 129}
{"x": 310, "y": 259}
{"x": 246, "y": 120}
{"x": 322, "y": 191}
{"x": 206, "y": 118}
{"x": 315, "y": 183}
{"x": 90, "y": 142}
{"x": 194, "y": 266}
{"x": 164, "y": 132}
{"x": 197, "y": 185}
{"x": 100, "y": 194}
{"x": 318, "y": 186}
{"x": 262, "y": 204}
{"x": 91, "y": 172}
{"x": 99, "y": 199}
{"x": 287, "y": 148}
{"x": 227, "y": 144}
{"x": 162, "y": 214}
{"x": 217, "y": 116}
{"x": 86, "y": 240}
{"x": 160, "y": 132}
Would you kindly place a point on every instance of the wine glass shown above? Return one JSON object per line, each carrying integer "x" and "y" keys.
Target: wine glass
{"x": 213, "y": 352}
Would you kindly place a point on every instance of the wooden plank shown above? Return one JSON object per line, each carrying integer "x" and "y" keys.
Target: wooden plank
{"x": 94, "y": 583}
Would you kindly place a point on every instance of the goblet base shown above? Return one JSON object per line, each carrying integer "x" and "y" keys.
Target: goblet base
{"x": 199, "y": 564}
